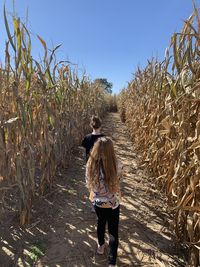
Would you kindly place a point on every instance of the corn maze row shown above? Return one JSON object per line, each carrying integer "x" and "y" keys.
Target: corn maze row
{"x": 45, "y": 107}
{"x": 161, "y": 107}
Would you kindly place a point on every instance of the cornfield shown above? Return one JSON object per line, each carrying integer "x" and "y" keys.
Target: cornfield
{"x": 161, "y": 107}
{"x": 45, "y": 108}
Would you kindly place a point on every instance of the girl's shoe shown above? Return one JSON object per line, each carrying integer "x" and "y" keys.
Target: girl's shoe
{"x": 111, "y": 265}
{"x": 100, "y": 249}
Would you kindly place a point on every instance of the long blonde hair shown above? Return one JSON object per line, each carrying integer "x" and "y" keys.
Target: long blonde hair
{"x": 102, "y": 157}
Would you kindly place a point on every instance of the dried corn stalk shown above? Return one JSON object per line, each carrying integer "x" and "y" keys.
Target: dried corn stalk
{"x": 161, "y": 107}
{"x": 44, "y": 111}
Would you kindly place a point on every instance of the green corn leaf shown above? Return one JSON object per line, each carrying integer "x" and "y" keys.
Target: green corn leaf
{"x": 29, "y": 40}
{"x": 175, "y": 50}
{"x": 49, "y": 76}
{"x": 189, "y": 56}
{"x": 53, "y": 52}
{"x": 18, "y": 35}
{"x": 8, "y": 30}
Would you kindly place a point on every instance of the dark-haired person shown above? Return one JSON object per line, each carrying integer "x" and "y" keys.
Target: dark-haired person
{"x": 91, "y": 138}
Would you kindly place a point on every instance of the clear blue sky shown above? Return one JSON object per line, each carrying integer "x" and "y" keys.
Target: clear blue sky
{"x": 107, "y": 38}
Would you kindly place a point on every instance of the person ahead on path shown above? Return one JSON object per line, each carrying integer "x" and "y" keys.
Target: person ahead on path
{"x": 102, "y": 179}
{"x": 91, "y": 138}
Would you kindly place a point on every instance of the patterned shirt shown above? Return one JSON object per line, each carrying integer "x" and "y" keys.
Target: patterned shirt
{"x": 101, "y": 196}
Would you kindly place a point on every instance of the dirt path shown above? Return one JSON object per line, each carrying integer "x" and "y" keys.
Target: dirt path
{"x": 64, "y": 228}
{"x": 144, "y": 241}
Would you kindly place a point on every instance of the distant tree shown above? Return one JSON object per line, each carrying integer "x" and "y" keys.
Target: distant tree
{"x": 104, "y": 84}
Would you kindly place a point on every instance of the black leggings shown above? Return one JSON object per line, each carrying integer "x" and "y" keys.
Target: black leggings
{"x": 112, "y": 217}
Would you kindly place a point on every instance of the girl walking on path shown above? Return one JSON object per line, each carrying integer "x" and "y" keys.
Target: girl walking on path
{"x": 102, "y": 180}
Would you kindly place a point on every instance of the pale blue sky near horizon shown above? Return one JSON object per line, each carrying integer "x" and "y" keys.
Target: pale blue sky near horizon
{"x": 106, "y": 38}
